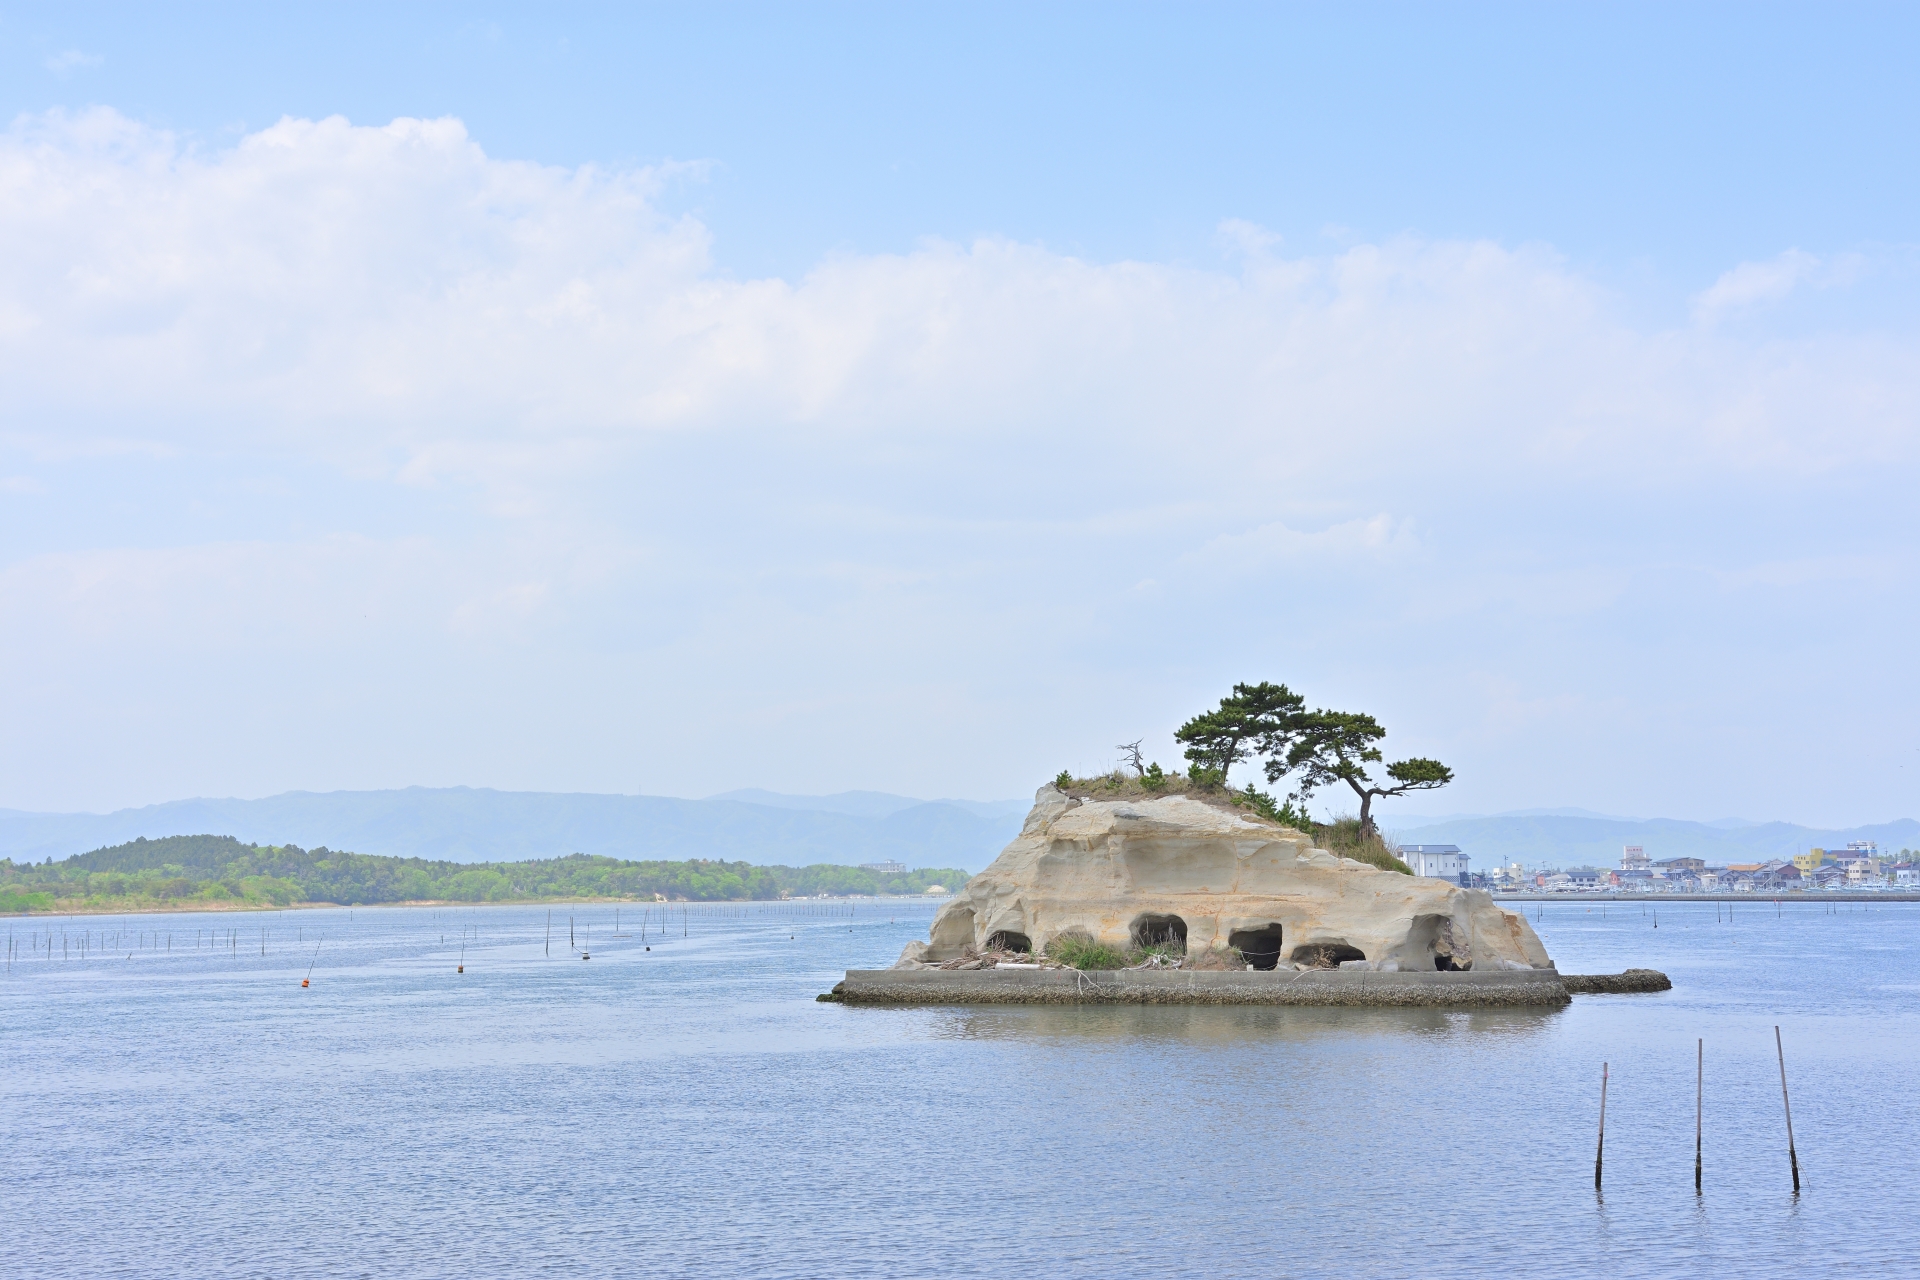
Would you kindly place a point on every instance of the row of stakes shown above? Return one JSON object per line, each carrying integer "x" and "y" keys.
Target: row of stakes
{"x": 664, "y": 927}
{"x": 1699, "y": 1097}
{"x": 461, "y": 967}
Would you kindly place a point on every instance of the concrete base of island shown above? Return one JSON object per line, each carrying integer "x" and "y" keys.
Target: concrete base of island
{"x": 1500, "y": 987}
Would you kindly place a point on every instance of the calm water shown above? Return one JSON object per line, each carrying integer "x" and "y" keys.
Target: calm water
{"x": 691, "y": 1110}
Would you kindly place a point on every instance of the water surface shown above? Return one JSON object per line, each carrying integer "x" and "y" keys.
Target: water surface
{"x": 691, "y": 1110}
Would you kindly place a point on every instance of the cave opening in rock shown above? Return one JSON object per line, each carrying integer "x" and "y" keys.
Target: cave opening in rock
{"x": 1436, "y": 936}
{"x": 1165, "y": 932}
{"x": 1326, "y": 955}
{"x": 1008, "y": 940}
{"x": 1258, "y": 947}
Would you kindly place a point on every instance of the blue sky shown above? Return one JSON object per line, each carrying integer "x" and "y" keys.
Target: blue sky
{"x": 1656, "y": 141}
{"x": 923, "y": 398}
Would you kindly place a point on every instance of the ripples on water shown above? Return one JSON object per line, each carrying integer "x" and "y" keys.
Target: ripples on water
{"x": 691, "y": 1110}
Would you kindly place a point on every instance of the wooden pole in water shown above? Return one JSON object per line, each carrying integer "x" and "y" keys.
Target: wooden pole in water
{"x": 1600, "y": 1151}
{"x": 549, "y": 932}
{"x": 1699, "y": 1094}
{"x": 1792, "y": 1157}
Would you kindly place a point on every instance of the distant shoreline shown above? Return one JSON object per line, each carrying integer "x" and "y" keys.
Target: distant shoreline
{"x": 241, "y": 907}
{"x": 1791, "y": 895}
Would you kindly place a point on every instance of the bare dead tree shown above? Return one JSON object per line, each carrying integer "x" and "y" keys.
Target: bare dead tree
{"x": 1130, "y": 751}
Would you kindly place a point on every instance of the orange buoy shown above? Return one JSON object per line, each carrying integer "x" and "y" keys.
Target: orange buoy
{"x": 460, "y": 969}
{"x": 303, "y": 982}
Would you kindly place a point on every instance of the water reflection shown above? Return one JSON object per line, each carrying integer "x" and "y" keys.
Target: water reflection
{"x": 1221, "y": 1026}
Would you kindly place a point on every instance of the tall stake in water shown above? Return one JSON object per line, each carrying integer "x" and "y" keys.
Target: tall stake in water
{"x": 1699, "y": 1079}
{"x": 1600, "y": 1151}
{"x": 1792, "y": 1157}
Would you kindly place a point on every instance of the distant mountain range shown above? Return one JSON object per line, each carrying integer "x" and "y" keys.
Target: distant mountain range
{"x": 469, "y": 824}
{"x": 1572, "y": 838}
{"x": 476, "y": 824}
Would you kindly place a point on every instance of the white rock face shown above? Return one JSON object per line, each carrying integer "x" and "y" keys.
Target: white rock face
{"x": 1131, "y": 871}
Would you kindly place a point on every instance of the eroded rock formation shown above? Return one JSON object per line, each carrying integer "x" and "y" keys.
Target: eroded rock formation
{"x": 1233, "y": 888}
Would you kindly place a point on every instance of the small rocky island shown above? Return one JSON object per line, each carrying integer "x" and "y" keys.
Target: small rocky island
{"x": 1201, "y": 901}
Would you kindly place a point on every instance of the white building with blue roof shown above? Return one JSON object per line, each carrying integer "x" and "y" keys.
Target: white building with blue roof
{"x": 1441, "y": 861}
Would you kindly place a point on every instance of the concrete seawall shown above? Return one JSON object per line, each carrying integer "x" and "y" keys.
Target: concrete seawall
{"x": 1188, "y": 986}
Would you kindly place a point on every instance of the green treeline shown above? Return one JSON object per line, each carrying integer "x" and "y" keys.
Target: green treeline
{"x": 190, "y": 871}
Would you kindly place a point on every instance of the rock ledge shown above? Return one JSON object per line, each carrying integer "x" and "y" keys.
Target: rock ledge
{"x": 1632, "y": 982}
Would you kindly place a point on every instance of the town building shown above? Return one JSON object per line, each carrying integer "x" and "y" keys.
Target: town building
{"x": 1441, "y": 861}
{"x": 885, "y": 868}
{"x": 1509, "y": 878}
{"x": 1634, "y": 858}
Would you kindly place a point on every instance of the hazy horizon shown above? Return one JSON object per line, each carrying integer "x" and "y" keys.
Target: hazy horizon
{"x": 471, "y": 825}
{"x": 1390, "y": 812}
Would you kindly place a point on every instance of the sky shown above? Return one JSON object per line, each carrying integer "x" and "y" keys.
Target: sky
{"x": 928, "y": 398}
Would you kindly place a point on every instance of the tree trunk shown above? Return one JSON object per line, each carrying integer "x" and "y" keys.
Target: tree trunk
{"x": 1366, "y": 808}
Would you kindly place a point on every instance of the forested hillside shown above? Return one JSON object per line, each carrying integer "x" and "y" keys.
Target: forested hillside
{"x": 190, "y": 871}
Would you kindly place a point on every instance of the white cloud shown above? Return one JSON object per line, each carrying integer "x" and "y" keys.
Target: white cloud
{"x": 1753, "y": 283}
{"x": 638, "y": 499}
{"x": 70, "y": 60}
{"x": 350, "y": 291}
{"x": 1374, "y": 538}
